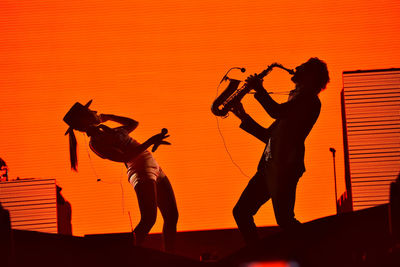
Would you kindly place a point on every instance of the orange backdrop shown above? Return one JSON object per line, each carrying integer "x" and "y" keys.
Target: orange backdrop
{"x": 160, "y": 62}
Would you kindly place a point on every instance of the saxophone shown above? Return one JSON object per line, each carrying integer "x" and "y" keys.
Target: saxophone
{"x": 232, "y": 95}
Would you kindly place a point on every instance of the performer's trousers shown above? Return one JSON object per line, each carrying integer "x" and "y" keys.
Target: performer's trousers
{"x": 265, "y": 185}
{"x": 152, "y": 194}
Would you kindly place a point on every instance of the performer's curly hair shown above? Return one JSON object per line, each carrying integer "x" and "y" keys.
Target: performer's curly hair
{"x": 319, "y": 68}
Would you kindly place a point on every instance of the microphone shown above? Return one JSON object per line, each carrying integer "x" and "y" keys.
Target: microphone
{"x": 331, "y": 149}
{"x": 225, "y": 76}
{"x": 164, "y": 131}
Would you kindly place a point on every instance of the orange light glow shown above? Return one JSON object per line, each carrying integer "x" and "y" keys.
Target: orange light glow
{"x": 159, "y": 62}
{"x": 271, "y": 264}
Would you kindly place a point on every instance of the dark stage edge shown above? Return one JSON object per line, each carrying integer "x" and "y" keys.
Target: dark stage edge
{"x": 359, "y": 238}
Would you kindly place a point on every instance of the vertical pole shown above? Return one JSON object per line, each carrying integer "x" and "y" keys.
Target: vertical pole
{"x": 334, "y": 176}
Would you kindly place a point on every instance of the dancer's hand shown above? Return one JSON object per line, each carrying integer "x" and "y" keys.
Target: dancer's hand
{"x": 159, "y": 139}
{"x": 103, "y": 118}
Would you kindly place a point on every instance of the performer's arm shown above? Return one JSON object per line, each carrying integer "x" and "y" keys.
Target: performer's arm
{"x": 115, "y": 154}
{"x": 255, "y": 129}
{"x": 250, "y": 125}
{"x": 127, "y": 123}
{"x": 274, "y": 109}
{"x": 155, "y": 140}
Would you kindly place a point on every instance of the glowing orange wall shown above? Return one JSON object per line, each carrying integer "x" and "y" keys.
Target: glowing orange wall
{"x": 159, "y": 62}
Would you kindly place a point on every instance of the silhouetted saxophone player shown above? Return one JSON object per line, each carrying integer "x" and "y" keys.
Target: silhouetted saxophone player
{"x": 282, "y": 162}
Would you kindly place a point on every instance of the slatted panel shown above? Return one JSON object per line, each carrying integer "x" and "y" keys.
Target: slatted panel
{"x": 31, "y": 203}
{"x": 372, "y": 110}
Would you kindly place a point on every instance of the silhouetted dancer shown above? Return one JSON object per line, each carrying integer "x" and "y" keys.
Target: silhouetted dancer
{"x": 151, "y": 185}
{"x": 282, "y": 162}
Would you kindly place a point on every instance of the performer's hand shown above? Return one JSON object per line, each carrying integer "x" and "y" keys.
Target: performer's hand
{"x": 159, "y": 139}
{"x": 103, "y": 118}
{"x": 254, "y": 82}
{"x": 239, "y": 111}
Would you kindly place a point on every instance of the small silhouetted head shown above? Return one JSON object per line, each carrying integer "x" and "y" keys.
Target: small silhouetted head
{"x": 3, "y": 170}
{"x": 81, "y": 118}
{"x": 312, "y": 74}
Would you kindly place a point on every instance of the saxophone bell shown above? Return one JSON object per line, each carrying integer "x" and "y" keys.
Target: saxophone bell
{"x": 220, "y": 107}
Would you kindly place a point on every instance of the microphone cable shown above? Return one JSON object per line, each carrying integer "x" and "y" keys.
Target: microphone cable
{"x": 219, "y": 128}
